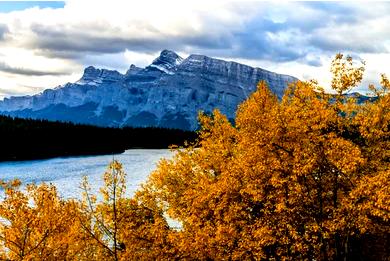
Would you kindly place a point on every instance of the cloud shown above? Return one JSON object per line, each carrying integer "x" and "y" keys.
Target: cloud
{"x": 30, "y": 72}
{"x": 114, "y": 61}
{"x": 18, "y": 92}
{"x": 3, "y": 31}
{"x": 69, "y": 39}
{"x": 282, "y": 36}
{"x": 76, "y": 43}
{"x": 253, "y": 30}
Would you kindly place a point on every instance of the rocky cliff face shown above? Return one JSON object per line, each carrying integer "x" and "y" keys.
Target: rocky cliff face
{"x": 167, "y": 93}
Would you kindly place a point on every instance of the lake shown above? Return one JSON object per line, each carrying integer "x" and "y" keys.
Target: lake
{"x": 67, "y": 173}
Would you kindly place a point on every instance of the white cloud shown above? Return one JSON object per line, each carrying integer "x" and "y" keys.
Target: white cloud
{"x": 295, "y": 38}
{"x": 139, "y": 59}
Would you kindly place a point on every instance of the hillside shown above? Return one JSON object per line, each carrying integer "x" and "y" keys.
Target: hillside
{"x": 24, "y": 139}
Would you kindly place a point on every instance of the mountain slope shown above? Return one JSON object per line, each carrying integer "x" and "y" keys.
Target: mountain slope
{"x": 167, "y": 93}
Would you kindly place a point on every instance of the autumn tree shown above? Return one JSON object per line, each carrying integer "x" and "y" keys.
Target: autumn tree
{"x": 118, "y": 227}
{"x": 288, "y": 181}
{"x": 35, "y": 224}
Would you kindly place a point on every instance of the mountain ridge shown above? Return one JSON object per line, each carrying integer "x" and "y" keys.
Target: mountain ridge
{"x": 167, "y": 93}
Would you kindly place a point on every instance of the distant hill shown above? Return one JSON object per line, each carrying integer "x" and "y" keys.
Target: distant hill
{"x": 168, "y": 93}
{"x": 25, "y": 139}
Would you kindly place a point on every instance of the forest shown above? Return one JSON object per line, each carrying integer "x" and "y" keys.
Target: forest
{"x": 306, "y": 177}
{"x": 27, "y": 139}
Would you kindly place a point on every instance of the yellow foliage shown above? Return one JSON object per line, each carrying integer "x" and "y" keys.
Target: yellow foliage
{"x": 345, "y": 74}
{"x": 38, "y": 225}
{"x": 282, "y": 182}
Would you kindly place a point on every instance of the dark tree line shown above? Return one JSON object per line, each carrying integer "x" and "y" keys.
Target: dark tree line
{"x": 24, "y": 139}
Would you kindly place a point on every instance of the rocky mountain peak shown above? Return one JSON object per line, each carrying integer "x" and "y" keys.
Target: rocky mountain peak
{"x": 167, "y": 56}
{"x": 90, "y": 72}
{"x": 94, "y": 76}
{"x": 133, "y": 70}
{"x": 166, "y": 62}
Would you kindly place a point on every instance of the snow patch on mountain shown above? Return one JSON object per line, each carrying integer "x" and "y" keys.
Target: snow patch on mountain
{"x": 161, "y": 68}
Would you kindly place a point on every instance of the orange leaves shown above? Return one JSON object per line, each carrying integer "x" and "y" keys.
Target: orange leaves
{"x": 345, "y": 74}
{"x": 37, "y": 225}
{"x": 371, "y": 200}
{"x": 257, "y": 110}
{"x": 343, "y": 155}
{"x": 277, "y": 184}
{"x": 385, "y": 87}
{"x": 119, "y": 228}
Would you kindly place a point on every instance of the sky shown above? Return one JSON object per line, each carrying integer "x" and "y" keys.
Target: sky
{"x": 45, "y": 44}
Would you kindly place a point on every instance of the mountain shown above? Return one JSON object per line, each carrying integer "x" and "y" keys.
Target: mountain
{"x": 167, "y": 93}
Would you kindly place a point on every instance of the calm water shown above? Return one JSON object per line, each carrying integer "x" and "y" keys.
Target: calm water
{"x": 67, "y": 173}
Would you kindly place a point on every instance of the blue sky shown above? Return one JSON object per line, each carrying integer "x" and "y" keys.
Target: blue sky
{"x": 9, "y": 6}
{"x": 44, "y": 44}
